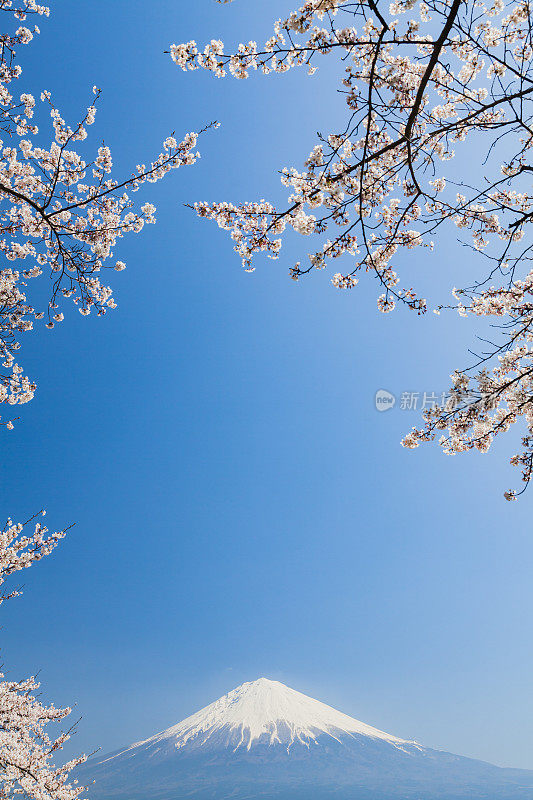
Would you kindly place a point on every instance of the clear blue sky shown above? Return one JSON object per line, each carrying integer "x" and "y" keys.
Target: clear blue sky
{"x": 242, "y": 509}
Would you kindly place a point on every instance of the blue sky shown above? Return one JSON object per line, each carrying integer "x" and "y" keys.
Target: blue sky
{"x": 241, "y": 508}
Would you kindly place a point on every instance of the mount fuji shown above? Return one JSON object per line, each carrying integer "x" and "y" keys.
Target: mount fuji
{"x": 265, "y": 741}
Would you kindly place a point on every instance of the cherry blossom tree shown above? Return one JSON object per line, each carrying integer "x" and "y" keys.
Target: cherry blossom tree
{"x": 61, "y": 211}
{"x": 422, "y": 80}
{"x": 27, "y": 749}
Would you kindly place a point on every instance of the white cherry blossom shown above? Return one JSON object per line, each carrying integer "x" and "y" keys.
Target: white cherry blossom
{"x": 419, "y": 79}
{"x": 62, "y": 211}
{"x": 28, "y": 753}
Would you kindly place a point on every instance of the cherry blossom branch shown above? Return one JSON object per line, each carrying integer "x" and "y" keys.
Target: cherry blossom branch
{"x": 416, "y": 88}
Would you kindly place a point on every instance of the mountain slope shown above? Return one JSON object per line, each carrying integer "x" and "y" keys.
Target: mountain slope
{"x": 264, "y": 740}
{"x": 264, "y": 711}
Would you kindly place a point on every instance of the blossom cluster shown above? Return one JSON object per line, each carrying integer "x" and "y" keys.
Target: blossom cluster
{"x": 488, "y": 402}
{"x": 27, "y": 751}
{"x": 421, "y": 79}
{"x": 62, "y": 212}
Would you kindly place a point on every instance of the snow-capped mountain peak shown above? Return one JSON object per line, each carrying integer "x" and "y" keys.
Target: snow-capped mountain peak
{"x": 269, "y": 712}
{"x": 265, "y": 741}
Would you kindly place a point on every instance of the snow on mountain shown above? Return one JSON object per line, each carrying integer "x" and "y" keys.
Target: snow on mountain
{"x": 265, "y": 741}
{"x": 266, "y": 709}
